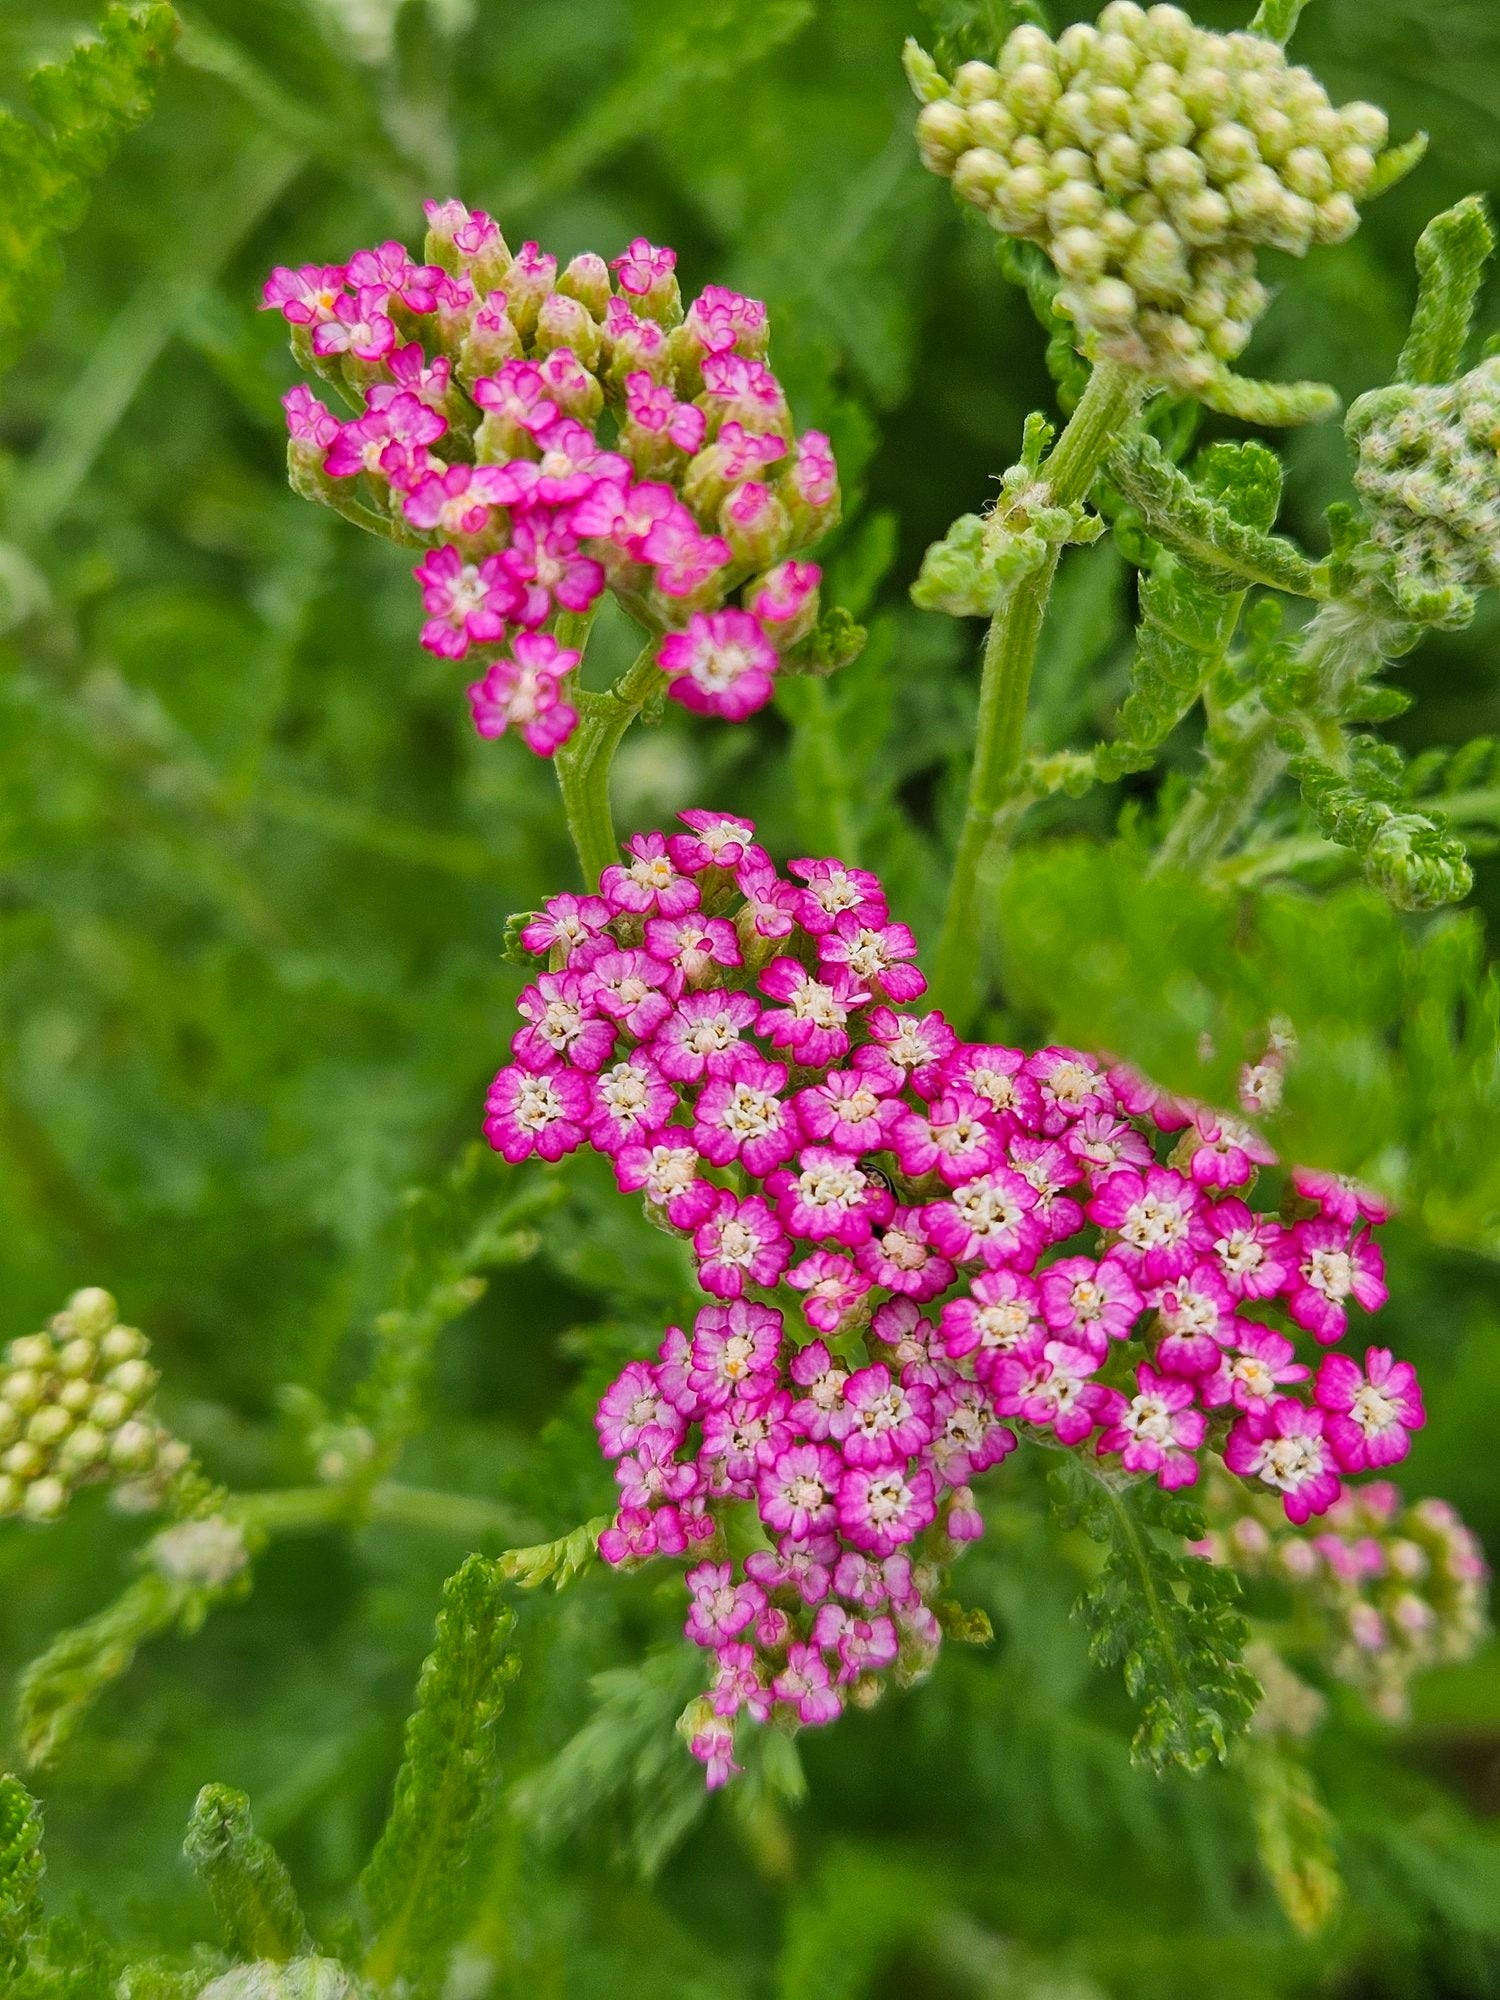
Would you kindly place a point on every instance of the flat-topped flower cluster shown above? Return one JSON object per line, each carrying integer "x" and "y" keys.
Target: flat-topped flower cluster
{"x": 915, "y": 1248}
{"x": 549, "y": 433}
{"x": 1391, "y": 1586}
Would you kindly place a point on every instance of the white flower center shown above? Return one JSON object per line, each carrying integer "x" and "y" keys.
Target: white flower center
{"x": 1330, "y": 1272}
{"x": 1373, "y": 1410}
{"x": 537, "y": 1106}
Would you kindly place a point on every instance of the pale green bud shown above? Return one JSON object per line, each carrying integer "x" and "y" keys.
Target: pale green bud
{"x": 1353, "y": 168}
{"x": 1110, "y": 108}
{"x": 1031, "y": 93}
{"x": 1366, "y": 124}
{"x": 1074, "y": 205}
{"x": 12, "y": 1492}
{"x": 1022, "y": 201}
{"x": 33, "y": 1352}
{"x": 1205, "y": 217}
{"x": 1306, "y": 172}
{"x": 135, "y": 1379}
{"x": 1176, "y": 172}
{"x": 93, "y": 1311}
{"x": 1028, "y": 44}
{"x": 109, "y": 1409}
{"x": 974, "y": 82}
{"x": 1168, "y": 35}
{"x": 1161, "y": 119}
{"x": 24, "y": 1461}
{"x": 1116, "y": 60}
{"x": 990, "y": 124}
{"x": 44, "y": 1499}
{"x": 122, "y": 1343}
{"x": 1079, "y": 254}
{"x": 1111, "y": 305}
{"x": 48, "y": 1426}
{"x": 10, "y": 1423}
{"x": 942, "y": 134}
{"x": 1335, "y": 220}
{"x": 1120, "y": 164}
{"x": 76, "y": 1396}
{"x": 1207, "y": 94}
{"x": 1155, "y": 265}
{"x": 1122, "y": 17}
{"x": 1076, "y": 46}
{"x": 77, "y": 1357}
{"x": 1072, "y": 121}
{"x": 1228, "y": 150}
{"x": 979, "y": 174}
{"x": 25, "y": 1389}
{"x": 84, "y": 1446}
{"x": 133, "y": 1447}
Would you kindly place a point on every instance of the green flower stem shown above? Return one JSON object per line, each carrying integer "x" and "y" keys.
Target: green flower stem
{"x": 297, "y": 1510}
{"x": 584, "y": 761}
{"x": 1103, "y": 410}
{"x": 1225, "y": 800}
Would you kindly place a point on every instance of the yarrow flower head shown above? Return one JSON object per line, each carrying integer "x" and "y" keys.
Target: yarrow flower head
{"x": 1150, "y": 159}
{"x": 552, "y": 434}
{"x": 915, "y": 1251}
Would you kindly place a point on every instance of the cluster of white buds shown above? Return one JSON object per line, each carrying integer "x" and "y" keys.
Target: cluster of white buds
{"x": 75, "y": 1409}
{"x": 1428, "y": 473}
{"x": 1391, "y": 1586}
{"x": 1150, "y": 158}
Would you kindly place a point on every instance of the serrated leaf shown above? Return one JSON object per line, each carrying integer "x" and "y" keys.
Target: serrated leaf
{"x": 1413, "y": 857}
{"x": 557, "y": 1563}
{"x": 88, "y": 103}
{"x": 1168, "y": 1619}
{"x": 1294, "y": 1834}
{"x": 1223, "y": 530}
{"x": 21, "y": 1869}
{"x": 1452, "y": 252}
{"x": 1274, "y": 404}
{"x": 246, "y": 1880}
{"x": 413, "y": 1886}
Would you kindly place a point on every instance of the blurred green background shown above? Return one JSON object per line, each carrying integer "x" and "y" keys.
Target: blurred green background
{"x": 254, "y": 871}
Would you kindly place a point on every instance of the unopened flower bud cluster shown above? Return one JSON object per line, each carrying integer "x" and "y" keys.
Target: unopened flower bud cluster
{"x": 1428, "y": 473}
{"x": 1150, "y": 159}
{"x": 915, "y": 1250}
{"x": 550, "y": 432}
{"x": 1393, "y": 1586}
{"x": 75, "y": 1409}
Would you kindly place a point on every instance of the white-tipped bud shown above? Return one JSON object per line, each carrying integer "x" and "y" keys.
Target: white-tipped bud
{"x": 1366, "y": 124}
{"x": 33, "y": 1353}
{"x": 133, "y": 1447}
{"x": 92, "y": 1311}
{"x": 48, "y": 1426}
{"x": 1080, "y": 254}
{"x": 979, "y": 175}
{"x": 942, "y": 134}
{"x": 44, "y": 1499}
{"x": 975, "y": 82}
{"x": 135, "y": 1379}
{"x": 1353, "y": 169}
{"x": 109, "y": 1408}
{"x": 1306, "y": 171}
{"x": 122, "y": 1343}
{"x": 1111, "y": 305}
{"x": 77, "y": 1358}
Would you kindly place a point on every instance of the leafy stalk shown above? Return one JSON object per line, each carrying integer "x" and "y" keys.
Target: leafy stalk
{"x": 1009, "y": 654}
{"x": 21, "y": 1869}
{"x": 413, "y": 1884}
{"x": 583, "y": 763}
{"x": 246, "y": 1879}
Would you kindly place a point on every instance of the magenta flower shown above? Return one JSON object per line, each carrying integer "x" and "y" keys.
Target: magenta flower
{"x": 1100, "y": 1143}
{"x": 524, "y": 692}
{"x": 900, "y": 1258}
{"x": 803, "y": 1684}
{"x": 741, "y": 1115}
{"x": 644, "y": 267}
{"x": 914, "y": 1042}
{"x": 649, "y": 883}
{"x": 704, "y": 1035}
{"x": 306, "y": 296}
{"x": 833, "y": 1289}
{"x": 722, "y": 664}
{"x": 547, "y": 569}
{"x": 797, "y": 1491}
{"x": 466, "y": 603}
{"x": 632, "y": 1408}
{"x": 1331, "y": 1267}
{"x": 392, "y": 435}
{"x": 786, "y": 598}
{"x": 1000, "y": 1309}
{"x": 876, "y": 957}
{"x": 358, "y": 325}
{"x": 1253, "y": 1375}
{"x": 653, "y": 408}
{"x": 716, "y": 840}
{"x": 829, "y": 1198}
{"x": 734, "y": 1351}
{"x": 629, "y": 986}
{"x": 308, "y": 421}
{"x": 1339, "y": 1198}
{"x": 693, "y": 945}
{"x": 1286, "y": 1449}
{"x": 952, "y": 1138}
{"x": 1370, "y": 1412}
{"x": 720, "y": 1609}
{"x": 849, "y": 1108}
{"x": 1225, "y": 1151}
{"x": 1000, "y": 1076}
{"x": 1155, "y": 1216}
{"x": 1071, "y": 1085}
{"x": 1253, "y": 1251}
{"x": 563, "y": 1024}
{"x": 967, "y": 1439}
{"x": 632, "y": 1099}
{"x": 667, "y": 1175}
{"x": 882, "y": 1508}
{"x": 1158, "y": 1430}
{"x": 739, "y": 1243}
{"x": 1198, "y": 1322}
{"x": 881, "y": 1420}
{"x": 564, "y": 923}
{"x": 987, "y": 1220}
{"x": 1090, "y": 1303}
{"x": 536, "y": 1111}
{"x": 813, "y": 1021}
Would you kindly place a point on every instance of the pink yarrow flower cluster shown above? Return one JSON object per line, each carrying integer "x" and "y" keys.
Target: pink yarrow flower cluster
{"x": 552, "y": 433}
{"x": 914, "y": 1249}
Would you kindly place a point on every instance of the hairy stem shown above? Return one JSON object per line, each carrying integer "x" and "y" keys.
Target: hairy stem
{"x": 1005, "y": 685}
{"x": 583, "y": 763}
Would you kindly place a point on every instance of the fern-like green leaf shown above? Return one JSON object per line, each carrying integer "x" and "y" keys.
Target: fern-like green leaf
{"x": 557, "y": 1563}
{"x": 247, "y": 1882}
{"x": 1452, "y": 252}
{"x": 21, "y": 1867}
{"x": 413, "y": 1886}
{"x": 1167, "y": 1617}
{"x": 1413, "y": 857}
{"x": 1224, "y": 532}
{"x": 87, "y": 104}
{"x": 1277, "y": 19}
{"x": 1294, "y": 1834}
